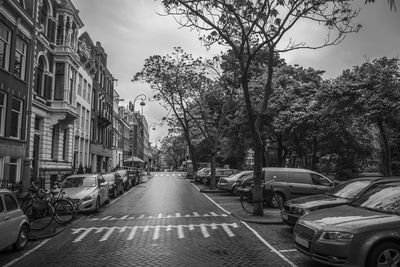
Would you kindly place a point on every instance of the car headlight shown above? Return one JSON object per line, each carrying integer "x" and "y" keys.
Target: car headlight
{"x": 336, "y": 236}
{"x": 300, "y": 211}
{"x": 89, "y": 197}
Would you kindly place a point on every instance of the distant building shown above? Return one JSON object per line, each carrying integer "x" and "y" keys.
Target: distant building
{"x": 117, "y": 143}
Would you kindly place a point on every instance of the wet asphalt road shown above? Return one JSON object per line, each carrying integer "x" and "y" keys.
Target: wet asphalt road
{"x": 164, "y": 222}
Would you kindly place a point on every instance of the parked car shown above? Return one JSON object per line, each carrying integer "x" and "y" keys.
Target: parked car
{"x": 115, "y": 183}
{"x": 364, "y": 233}
{"x": 229, "y": 183}
{"x": 88, "y": 191}
{"x": 342, "y": 194}
{"x": 14, "y": 225}
{"x": 219, "y": 173}
{"x": 290, "y": 183}
{"x": 201, "y": 173}
{"x": 127, "y": 178}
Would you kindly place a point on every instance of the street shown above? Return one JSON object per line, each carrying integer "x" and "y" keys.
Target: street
{"x": 164, "y": 222}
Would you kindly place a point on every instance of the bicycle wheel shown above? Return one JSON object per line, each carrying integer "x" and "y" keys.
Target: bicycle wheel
{"x": 247, "y": 203}
{"x": 39, "y": 218}
{"x": 64, "y": 211}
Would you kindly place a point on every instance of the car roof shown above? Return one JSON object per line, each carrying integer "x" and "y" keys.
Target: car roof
{"x": 286, "y": 169}
{"x": 83, "y": 175}
{"x": 377, "y": 179}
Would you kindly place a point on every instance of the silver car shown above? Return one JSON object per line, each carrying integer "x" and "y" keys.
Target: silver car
{"x": 88, "y": 191}
{"x": 229, "y": 183}
{"x": 365, "y": 233}
{"x": 14, "y": 225}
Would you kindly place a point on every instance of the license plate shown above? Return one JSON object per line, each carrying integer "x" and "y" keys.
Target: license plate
{"x": 301, "y": 241}
{"x": 284, "y": 216}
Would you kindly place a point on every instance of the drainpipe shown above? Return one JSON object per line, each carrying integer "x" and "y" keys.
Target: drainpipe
{"x": 26, "y": 178}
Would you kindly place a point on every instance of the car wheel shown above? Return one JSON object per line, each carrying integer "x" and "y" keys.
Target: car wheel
{"x": 385, "y": 254}
{"x": 277, "y": 200}
{"x": 22, "y": 238}
{"x": 97, "y": 208}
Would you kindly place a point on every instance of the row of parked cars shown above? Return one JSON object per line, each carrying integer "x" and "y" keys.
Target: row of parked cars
{"x": 88, "y": 191}
{"x": 351, "y": 223}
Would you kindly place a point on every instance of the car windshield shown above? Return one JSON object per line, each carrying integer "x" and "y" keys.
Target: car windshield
{"x": 72, "y": 182}
{"x": 349, "y": 190}
{"x": 381, "y": 197}
{"x": 108, "y": 177}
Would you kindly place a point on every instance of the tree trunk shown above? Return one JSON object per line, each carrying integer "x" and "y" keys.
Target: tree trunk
{"x": 258, "y": 153}
{"x": 386, "y": 160}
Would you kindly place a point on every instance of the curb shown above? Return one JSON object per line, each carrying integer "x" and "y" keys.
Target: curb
{"x": 271, "y": 222}
{"x": 48, "y": 235}
{"x": 211, "y": 191}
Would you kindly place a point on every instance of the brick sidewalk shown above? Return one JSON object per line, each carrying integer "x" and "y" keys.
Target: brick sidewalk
{"x": 271, "y": 216}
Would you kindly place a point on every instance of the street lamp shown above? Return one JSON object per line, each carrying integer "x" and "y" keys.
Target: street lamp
{"x": 142, "y": 103}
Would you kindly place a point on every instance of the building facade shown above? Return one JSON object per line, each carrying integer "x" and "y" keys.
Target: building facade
{"x": 102, "y": 113}
{"x": 16, "y": 59}
{"x": 117, "y": 145}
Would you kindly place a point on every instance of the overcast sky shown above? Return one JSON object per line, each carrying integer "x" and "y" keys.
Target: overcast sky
{"x": 131, "y": 31}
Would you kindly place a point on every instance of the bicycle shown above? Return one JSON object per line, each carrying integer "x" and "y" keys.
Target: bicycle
{"x": 247, "y": 200}
{"x": 64, "y": 209}
{"x": 39, "y": 211}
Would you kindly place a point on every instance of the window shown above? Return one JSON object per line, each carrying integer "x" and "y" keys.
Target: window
{"x": 59, "y": 84}
{"x": 80, "y": 85}
{"x": 14, "y": 171}
{"x": 20, "y": 58}
{"x": 87, "y": 120}
{"x": 65, "y": 144}
{"x": 84, "y": 89}
{"x": 2, "y": 113}
{"x": 5, "y": 38}
{"x": 299, "y": 178}
{"x": 83, "y": 118}
{"x": 10, "y": 202}
{"x": 88, "y": 92}
{"x": 78, "y": 120}
{"x": 16, "y": 118}
{"x": 320, "y": 180}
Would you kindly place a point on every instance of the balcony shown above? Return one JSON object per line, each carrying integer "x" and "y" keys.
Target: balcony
{"x": 104, "y": 119}
{"x": 63, "y": 111}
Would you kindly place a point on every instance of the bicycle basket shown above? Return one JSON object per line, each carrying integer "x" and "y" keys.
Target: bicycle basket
{"x": 39, "y": 205}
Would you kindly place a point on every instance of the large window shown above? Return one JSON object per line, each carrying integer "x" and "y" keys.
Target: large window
{"x": 16, "y": 118}
{"x": 14, "y": 172}
{"x": 80, "y": 86}
{"x": 65, "y": 144}
{"x": 3, "y": 99}
{"x": 20, "y": 58}
{"x": 5, "y": 38}
{"x": 1, "y": 168}
{"x": 59, "y": 84}
{"x": 84, "y": 90}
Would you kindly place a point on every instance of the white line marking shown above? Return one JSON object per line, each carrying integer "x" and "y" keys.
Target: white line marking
{"x": 204, "y": 231}
{"x": 196, "y": 214}
{"x": 146, "y": 228}
{"x": 178, "y": 215}
{"x": 132, "y": 233}
{"x": 123, "y": 217}
{"x": 213, "y": 226}
{"x": 227, "y": 230}
{"x": 159, "y": 215}
{"x": 141, "y": 216}
{"x": 105, "y": 218}
{"x": 180, "y": 231}
{"x": 85, "y": 233}
{"x": 269, "y": 245}
{"x": 107, "y": 234}
{"x": 168, "y": 227}
{"x": 287, "y": 250}
{"x": 26, "y": 253}
{"x": 191, "y": 227}
{"x": 156, "y": 232}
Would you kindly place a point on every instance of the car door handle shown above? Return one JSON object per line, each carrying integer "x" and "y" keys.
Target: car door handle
{"x": 6, "y": 218}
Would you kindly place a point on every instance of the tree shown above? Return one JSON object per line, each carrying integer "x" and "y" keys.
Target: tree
{"x": 247, "y": 27}
{"x": 174, "y": 149}
{"x": 373, "y": 91}
{"x": 172, "y": 78}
